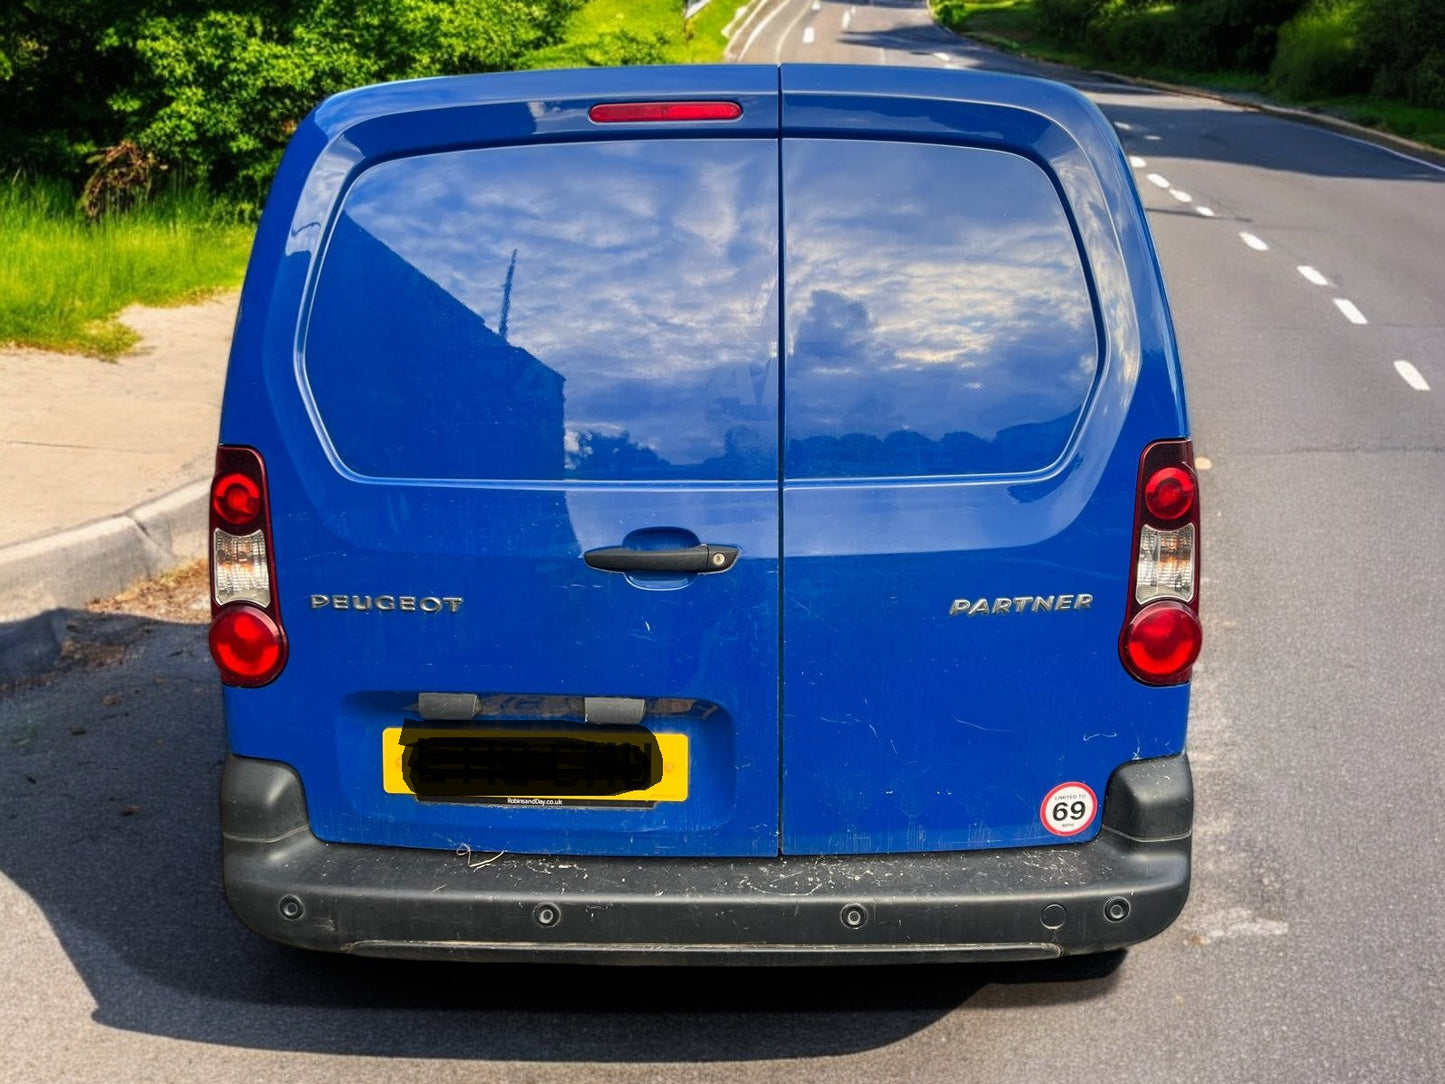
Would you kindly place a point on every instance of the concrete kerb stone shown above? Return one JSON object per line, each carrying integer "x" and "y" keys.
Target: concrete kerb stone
{"x": 42, "y": 578}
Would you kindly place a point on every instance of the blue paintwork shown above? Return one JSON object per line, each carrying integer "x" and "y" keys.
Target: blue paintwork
{"x": 370, "y": 370}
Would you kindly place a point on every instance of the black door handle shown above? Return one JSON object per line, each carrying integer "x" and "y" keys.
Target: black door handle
{"x": 701, "y": 558}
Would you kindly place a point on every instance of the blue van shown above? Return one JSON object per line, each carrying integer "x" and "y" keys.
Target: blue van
{"x": 706, "y": 514}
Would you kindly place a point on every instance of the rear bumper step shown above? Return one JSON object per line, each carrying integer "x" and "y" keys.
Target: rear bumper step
{"x": 1126, "y": 885}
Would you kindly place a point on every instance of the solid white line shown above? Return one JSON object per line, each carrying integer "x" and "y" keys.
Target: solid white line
{"x": 1254, "y": 242}
{"x": 759, "y": 29}
{"x": 1411, "y": 375}
{"x": 808, "y": 36}
{"x": 1205, "y": 211}
{"x": 1387, "y": 150}
{"x": 1352, "y": 314}
{"x": 1182, "y": 197}
{"x": 1154, "y": 178}
{"x": 1312, "y": 275}
{"x": 786, "y": 34}
{"x": 1137, "y": 162}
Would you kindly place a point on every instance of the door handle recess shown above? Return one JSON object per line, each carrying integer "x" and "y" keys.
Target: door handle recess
{"x": 700, "y": 558}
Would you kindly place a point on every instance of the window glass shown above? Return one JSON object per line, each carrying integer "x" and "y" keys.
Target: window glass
{"x": 938, "y": 317}
{"x": 599, "y": 311}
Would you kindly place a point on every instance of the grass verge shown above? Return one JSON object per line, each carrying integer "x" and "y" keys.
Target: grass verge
{"x": 616, "y": 32}
{"x": 1014, "y": 25}
{"x": 63, "y": 280}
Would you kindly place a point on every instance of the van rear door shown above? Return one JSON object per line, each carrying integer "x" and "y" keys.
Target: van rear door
{"x": 968, "y": 386}
{"x": 525, "y": 336}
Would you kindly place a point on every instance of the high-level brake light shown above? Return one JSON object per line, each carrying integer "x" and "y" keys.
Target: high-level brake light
{"x": 1162, "y": 635}
{"x": 635, "y": 112}
{"x": 247, "y": 641}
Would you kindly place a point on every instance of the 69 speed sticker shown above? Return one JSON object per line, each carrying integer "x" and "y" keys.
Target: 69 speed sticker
{"x": 1069, "y": 808}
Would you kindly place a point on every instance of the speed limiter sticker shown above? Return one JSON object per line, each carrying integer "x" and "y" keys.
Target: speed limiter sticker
{"x": 1069, "y": 808}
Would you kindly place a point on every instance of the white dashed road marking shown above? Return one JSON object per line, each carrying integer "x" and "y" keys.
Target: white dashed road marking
{"x": 1205, "y": 211}
{"x": 941, "y": 56}
{"x": 1352, "y": 314}
{"x": 1182, "y": 197}
{"x": 1155, "y": 179}
{"x": 1411, "y": 376}
{"x": 1137, "y": 162}
{"x": 817, "y": 5}
{"x": 847, "y": 18}
{"x": 1254, "y": 242}
{"x": 808, "y": 36}
{"x": 1311, "y": 275}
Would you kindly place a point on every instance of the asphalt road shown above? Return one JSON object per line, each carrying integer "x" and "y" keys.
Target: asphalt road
{"x": 1311, "y": 949}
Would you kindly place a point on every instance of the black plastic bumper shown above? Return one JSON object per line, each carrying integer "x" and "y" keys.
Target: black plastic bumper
{"x": 1126, "y": 885}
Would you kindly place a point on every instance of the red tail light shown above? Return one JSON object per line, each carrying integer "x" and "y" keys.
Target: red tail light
{"x": 247, "y": 640}
{"x": 1162, "y": 635}
{"x": 247, "y": 645}
{"x": 633, "y": 112}
{"x": 1162, "y": 641}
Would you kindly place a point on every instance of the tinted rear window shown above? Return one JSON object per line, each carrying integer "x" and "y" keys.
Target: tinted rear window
{"x": 938, "y": 316}
{"x": 595, "y": 311}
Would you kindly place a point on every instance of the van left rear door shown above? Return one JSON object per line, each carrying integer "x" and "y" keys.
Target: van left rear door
{"x": 529, "y": 336}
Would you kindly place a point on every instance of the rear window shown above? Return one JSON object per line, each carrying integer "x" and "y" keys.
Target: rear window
{"x": 600, "y": 311}
{"x": 938, "y": 316}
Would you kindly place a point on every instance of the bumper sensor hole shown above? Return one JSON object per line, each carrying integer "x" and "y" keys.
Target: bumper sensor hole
{"x": 1116, "y": 909}
{"x": 854, "y": 916}
{"x": 291, "y": 908}
{"x": 546, "y": 914}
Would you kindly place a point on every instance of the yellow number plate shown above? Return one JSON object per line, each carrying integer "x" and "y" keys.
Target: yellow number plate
{"x": 671, "y": 785}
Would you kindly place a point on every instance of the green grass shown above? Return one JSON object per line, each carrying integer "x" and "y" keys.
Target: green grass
{"x": 63, "y": 280}
{"x": 607, "y": 32}
{"x": 1014, "y": 25}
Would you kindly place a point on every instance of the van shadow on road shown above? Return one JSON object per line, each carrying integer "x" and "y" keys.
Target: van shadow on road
{"x": 109, "y": 769}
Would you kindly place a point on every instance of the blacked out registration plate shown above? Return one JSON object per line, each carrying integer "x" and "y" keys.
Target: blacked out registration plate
{"x": 517, "y": 766}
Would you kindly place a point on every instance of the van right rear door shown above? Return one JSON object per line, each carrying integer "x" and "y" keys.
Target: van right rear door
{"x": 967, "y": 389}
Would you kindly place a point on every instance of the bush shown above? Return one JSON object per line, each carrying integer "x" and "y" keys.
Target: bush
{"x": 1317, "y": 54}
{"x": 215, "y": 87}
{"x": 1136, "y": 34}
{"x": 1403, "y": 42}
{"x": 1066, "y": 21}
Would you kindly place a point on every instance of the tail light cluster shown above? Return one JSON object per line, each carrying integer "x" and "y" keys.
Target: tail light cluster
{"x": 1162, "y": 634}
{"x": 247, "y": 640}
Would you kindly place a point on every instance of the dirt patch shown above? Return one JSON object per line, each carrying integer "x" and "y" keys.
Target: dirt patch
{"x": 181, "y": 595}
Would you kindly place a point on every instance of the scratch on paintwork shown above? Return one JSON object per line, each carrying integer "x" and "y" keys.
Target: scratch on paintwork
{"x": 1101, "y": 734}
{"x": 980, "y": 726}
{"x": 464, "y": 852}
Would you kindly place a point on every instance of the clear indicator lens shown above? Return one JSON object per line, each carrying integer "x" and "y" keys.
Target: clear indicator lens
{"x": 241, "y": 571}
{"x": 1166, "y": 564}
